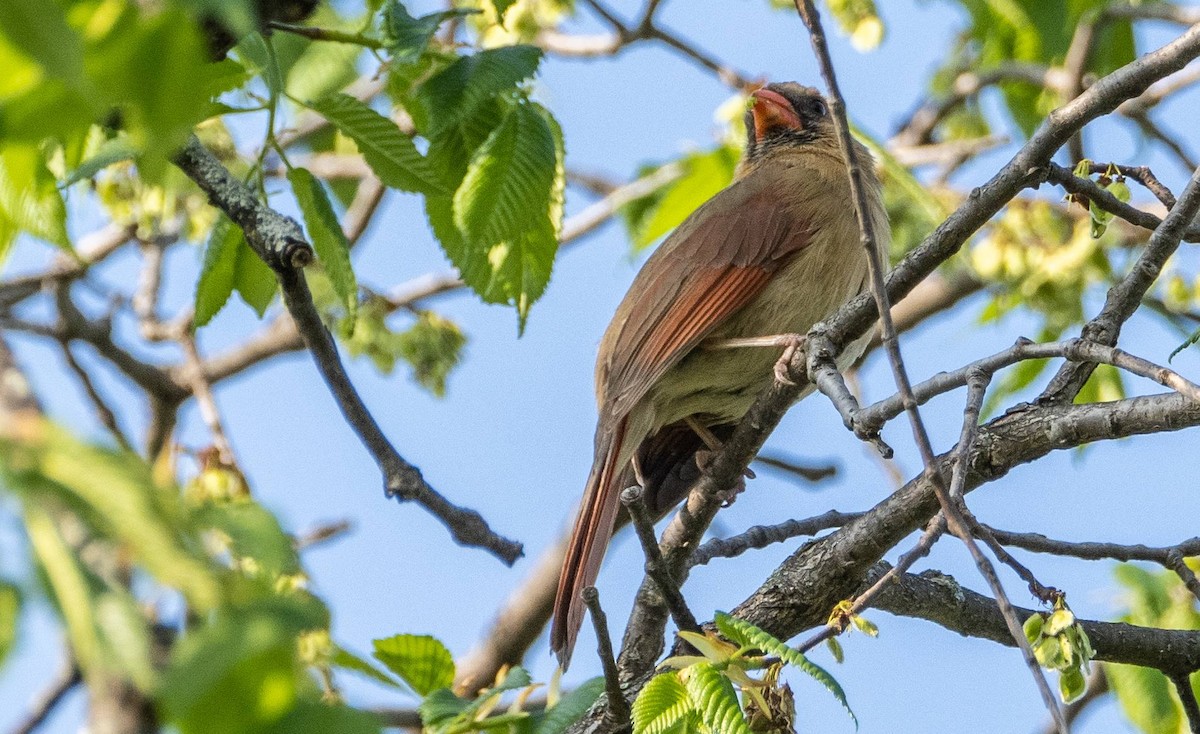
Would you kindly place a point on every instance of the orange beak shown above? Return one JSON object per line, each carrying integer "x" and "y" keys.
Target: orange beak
{"x": 772, "y": 111}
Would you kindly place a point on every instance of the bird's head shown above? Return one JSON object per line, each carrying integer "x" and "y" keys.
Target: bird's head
{"x": 786, "y": 114}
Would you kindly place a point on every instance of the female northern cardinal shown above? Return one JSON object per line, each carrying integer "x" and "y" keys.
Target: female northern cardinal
{"x": 775, "y": 252}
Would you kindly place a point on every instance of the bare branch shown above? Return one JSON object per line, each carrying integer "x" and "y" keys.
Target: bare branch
{"x": 761, "y": 536}
{"x": 46, "y": 701}
{"x": 633, "y": 499}
{"x": 280, "y": 243}
{"x": 616, "y": 714}
{"x": 940, "y": 599}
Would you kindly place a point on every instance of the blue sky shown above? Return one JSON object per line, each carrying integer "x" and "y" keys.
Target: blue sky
{"x": 513, "y": 436}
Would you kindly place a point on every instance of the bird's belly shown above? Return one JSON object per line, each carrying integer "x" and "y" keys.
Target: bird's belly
{"x": 719, "y": 385}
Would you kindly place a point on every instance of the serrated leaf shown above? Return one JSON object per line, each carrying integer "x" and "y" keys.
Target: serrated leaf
{"x": 333, "y": 249}
{"x": 421, "y": 661}
{"x": 388, "y": 151}
{"x": 498, "y": 230}
{"x": 509, "y": 179}
{"x": 570, "y": 708}
{"x": 29, "y": 197}
{"x": 713, "y": 696}
{"x": 745, "y": 633}
{"x": 457, "y": 91}
{"x": 408, "y": 36}
{"x": 662, "y": 703}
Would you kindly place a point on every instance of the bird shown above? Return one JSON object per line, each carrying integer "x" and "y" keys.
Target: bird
{"x": 773, "y": 253}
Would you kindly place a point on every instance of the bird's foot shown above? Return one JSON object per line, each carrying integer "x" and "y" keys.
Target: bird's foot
{"x": 792, "y": 342}
{"x": 704, "y": 457}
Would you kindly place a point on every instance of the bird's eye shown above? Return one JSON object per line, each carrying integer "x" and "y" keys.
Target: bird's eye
{"x": 818, "y": 108}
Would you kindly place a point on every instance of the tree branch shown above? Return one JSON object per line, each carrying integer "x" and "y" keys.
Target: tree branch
{"x": 279, "y": 241}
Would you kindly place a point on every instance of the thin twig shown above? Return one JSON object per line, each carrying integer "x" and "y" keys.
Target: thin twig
{"x": 616, "y": 715}
{"x": 1182, "y": 680}
{"x": 1170, "y": 557}
{"x": 634, "y": 501}
{"x": 761, "y": 536}
{"x": 206, "y": 401}
{"x": 47, "y": 700}
{"x": 106, "y": 415}
{"x": 322, "y": 534}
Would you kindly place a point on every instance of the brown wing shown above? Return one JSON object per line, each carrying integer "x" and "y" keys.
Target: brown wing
{"x": 715, "y": 263}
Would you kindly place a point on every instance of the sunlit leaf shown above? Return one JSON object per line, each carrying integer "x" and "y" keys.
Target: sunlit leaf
{"x": 457, "y": 91}
{"x": 420, "y": 660}
{"x": 326, "y": 234}
{"x": 712, "y": 695}
{"x": 570, "y": 708}
{"x": 389, "y": 152}
{"x": 661, "y": 703}
{"x": 745, "y": 633}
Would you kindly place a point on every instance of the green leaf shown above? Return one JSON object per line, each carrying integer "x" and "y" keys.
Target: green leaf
{"x": 408, "y": 37}
{"x": 111, "y": 151}
{"x": 253, "y": 279}
{"x": 126, "y": 638}
{"x": 155, "y": 71}
{"x": 254, "y": 51}
{"x": 347, "y": 660}
{"x": 10, "y": 612}
{"x": 322, "y": 69}
{"x": 1145, "y": 698}
{"x": 328, "y": 240}
{"x": 68, "y": 582}
{"x": 441, "y": 706}
{"x": 456, "y": 92}
{"x": 240, "y": 671}
{"x": 570, "y": 708}
{"x": 39, "y": 29}
{"x": 389, "y": 152}
{"x": 835, "y": 649}
{"x": 311, "y": 717}
{"x": 29, "y": 197}
{"x": 509, "y": 179}
{"x": 713, "y": 696}
{"x": 421, "y": 661}
{"x": 746, "y": 634}
{"x": 501, "y": 235}
{"x": 704, "y": 174}
{"x": 433, "y": 347}
{"x": 230, "y": 264}
{"x": 661, "y": 704}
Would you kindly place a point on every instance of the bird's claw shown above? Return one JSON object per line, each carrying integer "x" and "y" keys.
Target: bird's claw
{"x": 782, "y": 372}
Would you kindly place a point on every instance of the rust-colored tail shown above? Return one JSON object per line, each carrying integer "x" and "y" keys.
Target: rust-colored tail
{"x": 589, "y": 540}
